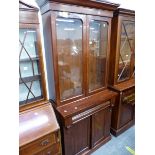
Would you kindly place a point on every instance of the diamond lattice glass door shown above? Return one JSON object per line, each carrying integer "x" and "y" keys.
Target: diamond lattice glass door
{"x": 126, "y": 59}
{"x": 29, "y": 74}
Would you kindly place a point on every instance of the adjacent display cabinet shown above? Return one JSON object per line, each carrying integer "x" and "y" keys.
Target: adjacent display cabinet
{"x": 39, "y": 132}
{"x": 77, "y": 46}
{"x": 122, "y": 69}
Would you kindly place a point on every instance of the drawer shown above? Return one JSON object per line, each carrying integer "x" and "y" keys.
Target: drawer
{"x": 128, "y": 96}
{"x": 39, "y": 144}
{"x": 52, "y": 150}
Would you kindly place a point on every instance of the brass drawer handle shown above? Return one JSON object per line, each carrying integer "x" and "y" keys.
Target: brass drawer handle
{"x": 45, "y": 142}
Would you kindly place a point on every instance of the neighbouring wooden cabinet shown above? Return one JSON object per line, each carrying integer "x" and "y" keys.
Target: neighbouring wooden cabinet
{"x": 121, "y": 78}
{"x": 77, "y": 47}
{"x": 39, "y": 132}
{"x": 32, "y": 85}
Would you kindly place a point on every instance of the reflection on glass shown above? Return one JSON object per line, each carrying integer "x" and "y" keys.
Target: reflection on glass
{"x": 69, "y": 48}
{"x": 30, "y": 85}
{"x": 29, "y": 38}
{"x": 97, "y": 54}
{"x": 29, "y": 69}
{"x": 126, "y": 51}
{"x": 24, "y": 92}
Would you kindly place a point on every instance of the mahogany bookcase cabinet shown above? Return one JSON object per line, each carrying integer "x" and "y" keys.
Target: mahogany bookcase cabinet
{"x": 77, "y": 46}
{"x": 122, "y": 69}
{"x": 39, "y": 132}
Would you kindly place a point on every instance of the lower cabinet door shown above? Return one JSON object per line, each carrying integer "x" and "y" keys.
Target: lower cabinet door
{"x": 127, "y": 107}
{"x": 127, "y": 114}
{"x": 101, "y": 122}
{"x": 77, "y": 137}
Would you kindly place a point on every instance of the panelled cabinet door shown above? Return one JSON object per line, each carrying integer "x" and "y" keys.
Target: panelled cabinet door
{"x": 127, "y": 51}
{"x": 69, "y": 53}
{"x": 101, "y": 122}
{"x": 98, "y": 28}
{"x": 77, "y": 137}
{"x": 127, "y": 107}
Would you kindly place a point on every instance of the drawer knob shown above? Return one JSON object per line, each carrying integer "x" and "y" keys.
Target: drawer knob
{"x": 45, "y": 142}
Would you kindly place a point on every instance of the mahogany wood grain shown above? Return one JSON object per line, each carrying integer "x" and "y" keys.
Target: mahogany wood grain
{"x": 124, "y": 85}
{"x": 52, "y": 150}
{"x": 77, "y": 138}
{"x": 86, "y": 103}
{"x": 124, "y": 12}
{"x": 123, "y": 112}
{"x": 101, "y": 122}
{"x": 75, "y": 9}
{"x": 76, "y": 114}
{"x": 35, "y": 123}
{"x": 86, "y": 3}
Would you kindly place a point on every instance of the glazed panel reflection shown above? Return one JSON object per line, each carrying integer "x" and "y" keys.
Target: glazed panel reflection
{"x": 69, "y": 48}
{"x": 97, "y": 54}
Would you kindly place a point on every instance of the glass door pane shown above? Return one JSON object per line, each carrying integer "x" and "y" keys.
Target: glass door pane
{"x": 98, "y": 39}
{"x": 126, "y": 51}
{"x": 29, "y": 73}
{"x": 69, "y": 48}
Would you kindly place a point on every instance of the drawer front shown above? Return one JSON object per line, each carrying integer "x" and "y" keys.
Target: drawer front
{"x": 39, "y": 145}
{"x": 128, "y": 96}
{"x": 52, "y": 150}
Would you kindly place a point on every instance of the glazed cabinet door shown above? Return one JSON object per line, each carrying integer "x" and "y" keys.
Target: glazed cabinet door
{"x": 68, "y": 45}
{"x": 77, "y": 137}
{"x": 98, "y": 45}
{"x": 30, "y": 80}
{"x": 101, "y": 122}
{"x": 126, "y": 67}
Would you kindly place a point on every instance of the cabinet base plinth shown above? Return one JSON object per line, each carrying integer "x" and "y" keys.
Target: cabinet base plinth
{"x": 117, "y": 132}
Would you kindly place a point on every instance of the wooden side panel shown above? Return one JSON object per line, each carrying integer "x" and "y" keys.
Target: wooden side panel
{"x": 76, "y": 138}
{"x": 101, "y": 122}
{"x": 115, "y": 113}
{"x": 107, "y": 119}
